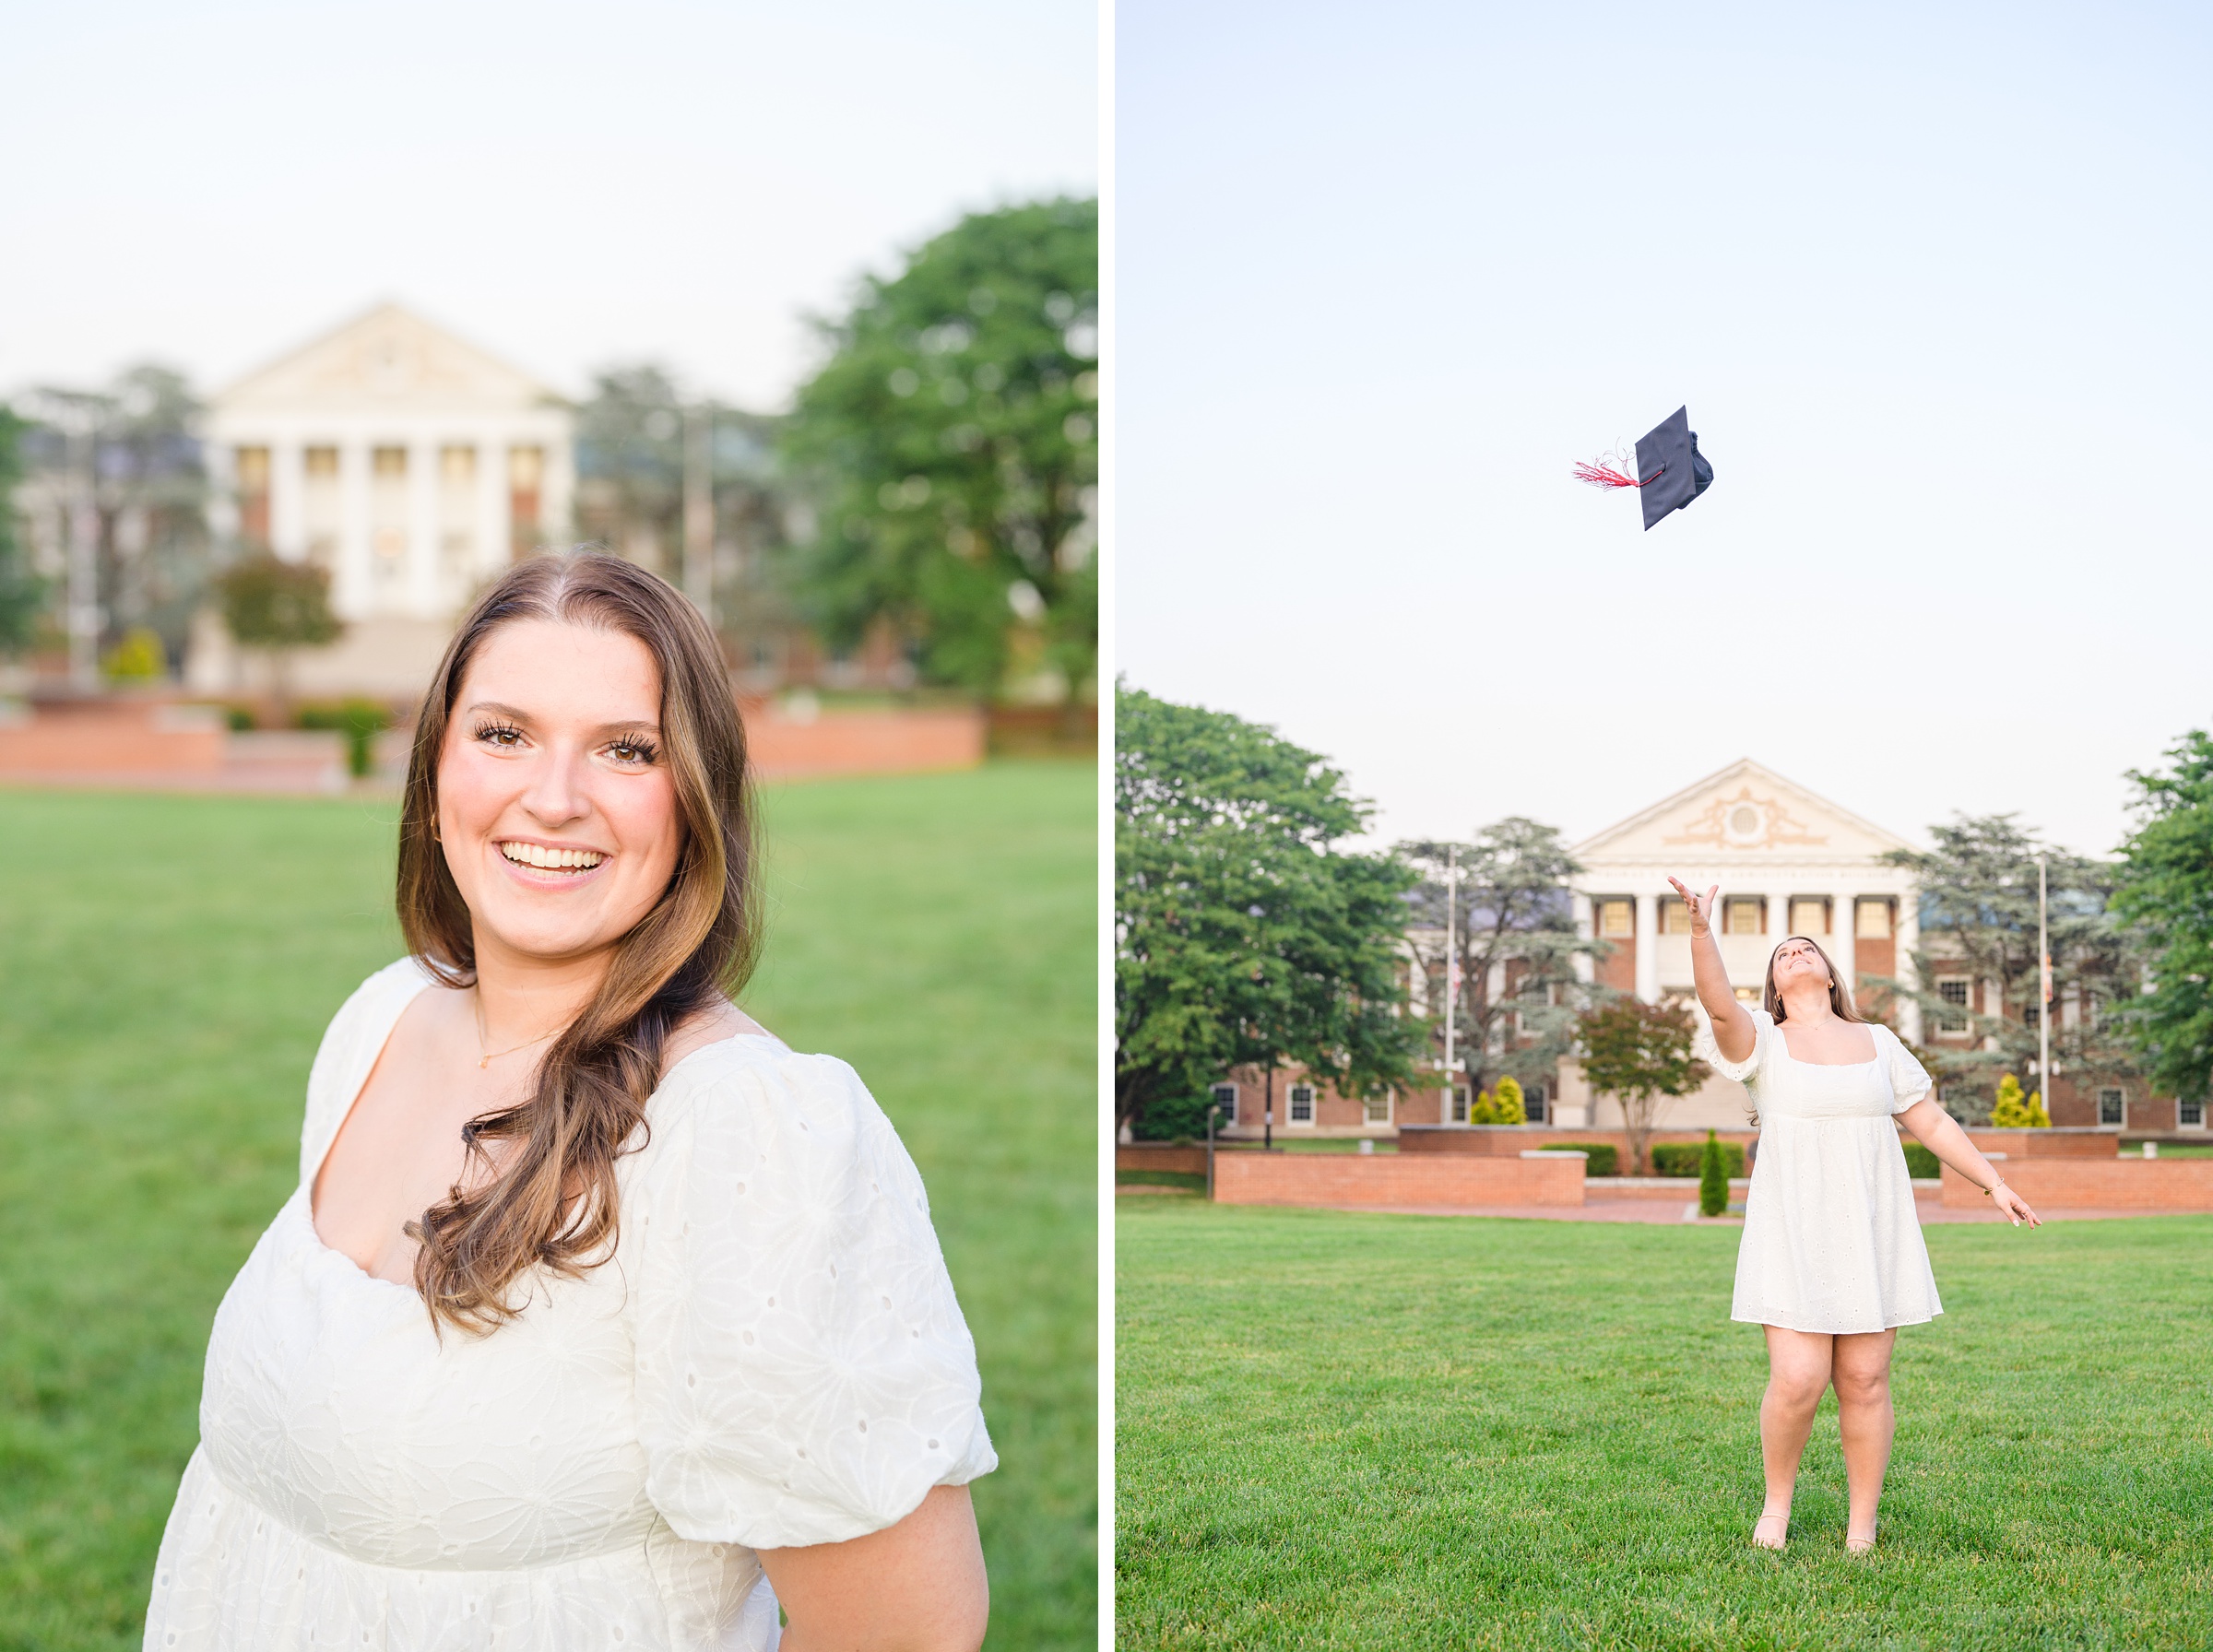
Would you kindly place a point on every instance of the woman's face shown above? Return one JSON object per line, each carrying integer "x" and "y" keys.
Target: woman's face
{"x": 555, "y": 806}
{"x": 1798, "y": 961}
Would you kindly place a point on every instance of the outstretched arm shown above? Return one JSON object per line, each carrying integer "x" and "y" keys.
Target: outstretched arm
{"x": 1940, "y": 1132}
{"x": 1733, "y": 1033}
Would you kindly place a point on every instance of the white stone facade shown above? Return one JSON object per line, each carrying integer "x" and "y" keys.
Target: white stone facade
{"x": 1788, "y": 863}
{"x": 410, "y": 463}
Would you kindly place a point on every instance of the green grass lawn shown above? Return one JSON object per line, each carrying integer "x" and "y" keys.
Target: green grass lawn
{"x": 1350, "y": 1431}
{"x": 168, "y": 965}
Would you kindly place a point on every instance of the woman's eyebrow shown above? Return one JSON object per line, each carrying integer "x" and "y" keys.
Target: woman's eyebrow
{"x": 499, "y": 708}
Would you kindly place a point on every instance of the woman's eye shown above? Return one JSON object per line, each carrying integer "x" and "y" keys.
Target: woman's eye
{"x": 631, "y": 751}
{"x": 500, "y": 734}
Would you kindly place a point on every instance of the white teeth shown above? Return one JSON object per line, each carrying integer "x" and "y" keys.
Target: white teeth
{"x": 533, "y": 854}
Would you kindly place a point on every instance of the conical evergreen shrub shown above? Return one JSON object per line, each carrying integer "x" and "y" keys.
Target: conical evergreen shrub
{"x": 1713, "y": 1178}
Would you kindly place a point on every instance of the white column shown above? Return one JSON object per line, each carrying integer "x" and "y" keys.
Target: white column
{"x": 1906, "y": 935}
{"x": 1648, "y": 948}
{"x": 495, "y": 530}
{"x": 1580, "y": 905}
{"x": 1844, "y": 942}
{"x": 288, "y": 486}
{"x": 425, "y": 601}
{"x": 353, "y": 592}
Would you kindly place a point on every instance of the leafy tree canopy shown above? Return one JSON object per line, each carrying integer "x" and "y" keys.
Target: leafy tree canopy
{"x": 270, "y": 603}
{"x": 951, "y": 445}
{"x": 1978, "y": 892}
{"x": 1640, "y": 1055}
{"x": 2164, "y": 897}
{"x": 21, "y": 591}
{"x": 1242, "y": 934}
{"x": 1512, "y": 914}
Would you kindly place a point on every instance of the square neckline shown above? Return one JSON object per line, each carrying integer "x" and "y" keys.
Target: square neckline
{"x": 424, "y": 981}
{"x": 1783, "y": 1039}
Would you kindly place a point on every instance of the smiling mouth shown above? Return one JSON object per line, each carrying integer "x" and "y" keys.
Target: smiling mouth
{"x": 540, "y": 859}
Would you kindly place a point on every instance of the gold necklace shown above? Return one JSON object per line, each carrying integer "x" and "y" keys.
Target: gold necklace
{"x": 484, "y": 1059}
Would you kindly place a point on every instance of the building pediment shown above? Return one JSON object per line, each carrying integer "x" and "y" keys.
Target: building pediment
{"x": 1745, "y": 813}
{"x": 388, "y": 359}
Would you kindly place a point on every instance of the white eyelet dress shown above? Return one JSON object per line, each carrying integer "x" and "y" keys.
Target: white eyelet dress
{"x": 772, "y": 1356}
{"x": 1831, "y": 1242}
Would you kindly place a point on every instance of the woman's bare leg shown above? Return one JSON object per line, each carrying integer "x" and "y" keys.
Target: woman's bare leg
{"x": 1798, "y": 1373}
{"x": 1866, "y": 1420}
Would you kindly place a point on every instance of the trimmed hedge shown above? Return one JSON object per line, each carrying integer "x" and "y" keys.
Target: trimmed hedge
{"x": 1681, "y": 1158}
{"x": 1605, "y": 1160}
{"x": 1920, "y": 1163}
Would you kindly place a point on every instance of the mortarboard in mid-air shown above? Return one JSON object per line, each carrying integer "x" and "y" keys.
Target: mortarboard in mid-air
{"x": 1670, "y": 473}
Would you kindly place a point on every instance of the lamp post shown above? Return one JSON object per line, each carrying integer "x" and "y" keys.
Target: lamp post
{"x": 1452, "y": 973}
{"x": 2043, "y": 1012}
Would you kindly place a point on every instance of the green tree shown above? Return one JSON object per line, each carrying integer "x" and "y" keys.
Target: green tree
{"x": 951, "y": 448}
{"x": 1503, "y": 1106}
{"x": 1978, "y": 898}
{"x": 22, "y": 593}
{"x": 1514, "y": 917}
{"x": 1713, "y": 1177}
{"x": 632, "y": 433}
{"x": 1243, "y": 936}
{"x": 277, "y": 607}
{"x": 1640, "y": 1055}
{"x": 2164, "y": 897}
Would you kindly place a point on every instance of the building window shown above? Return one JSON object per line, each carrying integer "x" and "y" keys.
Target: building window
{"x": 320, "y": 504}
{"x": 1300, "y": 1101}
{"x": 456, "y": 511}
{"x": 251, "y": 468}
{"x": 1225, "y": 1102}
{"x": 1460, "y": 1104}
{"x": 2113, "y": 1107}
{"x": 1810, "y": 917}
{"x": 1873, "y": 920}
{"x": 1954, "y": 989}
{"x": 1378, "y": 1109}
{"x": 1536, "y": 1103}
{"x": 1674, "y": 917}
{"x": 1742, "y": 916}
{"x": 2190, "y": 1116}
{"x": 388, "y": 511}
{"x": 525, "y": 483}
{"x": 1616, "y": 918}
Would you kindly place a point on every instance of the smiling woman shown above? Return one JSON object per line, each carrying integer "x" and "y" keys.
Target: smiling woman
{"x": 595, "y": 1304}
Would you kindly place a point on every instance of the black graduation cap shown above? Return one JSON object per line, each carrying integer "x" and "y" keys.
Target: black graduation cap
{"x": 1671, "y": 472}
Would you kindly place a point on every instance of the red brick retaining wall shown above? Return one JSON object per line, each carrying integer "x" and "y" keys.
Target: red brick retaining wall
{"x": 1190, "y": 1160}
{"x": 2065, "y": 1141}
{"x": 2118, "y": 1185}
{"x": 858, "y": 742}
{"x": 1505, "y": 1141}
{"x": 1394, "y": 1179}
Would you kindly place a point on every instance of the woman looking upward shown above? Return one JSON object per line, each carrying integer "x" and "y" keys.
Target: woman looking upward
{"x": 1832, "y": 1262}
{"x": 594, "y": 1301}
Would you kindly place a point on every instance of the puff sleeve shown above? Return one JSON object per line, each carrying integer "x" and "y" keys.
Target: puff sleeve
{"x": 1910, "y": 1081}
{"x": 1706, "y": 1049}
{"x": 804, "y": 1374}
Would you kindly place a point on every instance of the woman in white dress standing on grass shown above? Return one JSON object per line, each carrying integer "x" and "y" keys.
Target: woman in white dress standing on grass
{"x": 595, "y": 1303}
{"x": 1832, "y": 1262}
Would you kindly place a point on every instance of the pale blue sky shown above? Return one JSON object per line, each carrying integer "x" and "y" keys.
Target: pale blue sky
{"x": 1933, "y": 282}
{"x": 567, "y": 184}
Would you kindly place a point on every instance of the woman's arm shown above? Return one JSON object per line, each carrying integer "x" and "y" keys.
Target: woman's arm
{"x": 1940, "y": 1132}
{"x": 916, "y": 1586}
{"x": 1733, "y": 1033}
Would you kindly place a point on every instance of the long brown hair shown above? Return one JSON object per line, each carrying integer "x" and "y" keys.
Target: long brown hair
{"x": 1840, "y": 995}
{"x": 552, "y": 1204}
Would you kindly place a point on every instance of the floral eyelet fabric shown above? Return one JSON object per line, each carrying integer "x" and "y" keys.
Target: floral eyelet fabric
{"x": 772, "y": 1355}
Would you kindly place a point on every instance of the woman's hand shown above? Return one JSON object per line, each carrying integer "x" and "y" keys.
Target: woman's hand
{"x": 2013, "y": 1205}
{"x": 1701, "y": 906}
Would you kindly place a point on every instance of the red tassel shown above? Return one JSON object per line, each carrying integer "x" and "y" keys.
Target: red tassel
{"x": 1608, "y": 475}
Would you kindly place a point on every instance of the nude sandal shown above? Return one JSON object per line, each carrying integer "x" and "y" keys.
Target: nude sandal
{"x": 1778, "y": 1546}
{"x": 1854, "y": 1544}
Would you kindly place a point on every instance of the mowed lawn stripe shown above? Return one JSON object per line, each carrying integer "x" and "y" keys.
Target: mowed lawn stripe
{"x": 1374, "y": 1431}
{"x": 167, "y": 965}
